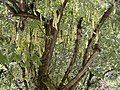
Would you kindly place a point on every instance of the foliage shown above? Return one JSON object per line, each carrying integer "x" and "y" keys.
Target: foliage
{"x": 23, "y": 52}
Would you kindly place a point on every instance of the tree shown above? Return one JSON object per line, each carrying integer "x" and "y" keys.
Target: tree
{"x": 38, "y": 48}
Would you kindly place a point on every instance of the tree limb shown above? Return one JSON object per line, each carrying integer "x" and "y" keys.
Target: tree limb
{"x": 89, "y": 80}
{"x": 88, "y": 61}
{"x": 17, "y": 11}
{"x": 96, "y": 31}
{"x": 81, "y": 72}
{"x": 51, "y": 34}
{"x": 60, "y": 10}
{"x": 76, "y": 48}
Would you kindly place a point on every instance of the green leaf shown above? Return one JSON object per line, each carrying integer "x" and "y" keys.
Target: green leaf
{"x": 3, "y": 58}
{"x": 36, "y": 59}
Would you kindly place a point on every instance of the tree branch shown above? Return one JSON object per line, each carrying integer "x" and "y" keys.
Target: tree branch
{"x": 89, "y": 80}
{"x": 89, "y": 61}
{"x": 20, "y": 13}
{"x": 81, "y": 72}
{"x": 51, "y": 34}
{"x": 96, "y": 31}
{"x": 60, "y": 10}
{"x": 76, "y": 48}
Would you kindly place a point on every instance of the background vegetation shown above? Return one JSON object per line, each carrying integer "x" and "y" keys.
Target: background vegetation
{"x": 36, "y": 49}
